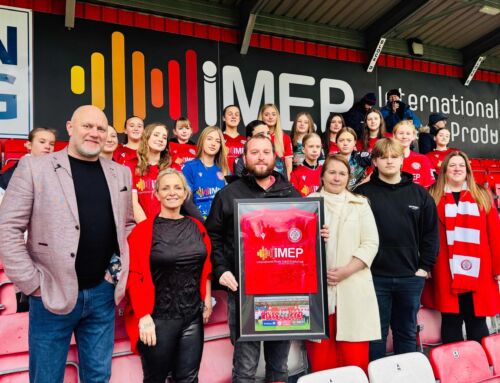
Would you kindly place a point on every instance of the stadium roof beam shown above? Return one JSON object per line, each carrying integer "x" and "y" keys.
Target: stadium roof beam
{"x": 376, "y": 33}
{"x": 69, "y": 16}
{"x": 248, "y": 15}
{"x": 475, "y": 53}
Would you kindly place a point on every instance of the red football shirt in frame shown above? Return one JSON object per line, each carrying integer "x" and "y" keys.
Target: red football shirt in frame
{"x": 420, "y": 167}
{"x": 279, "y": 251}
{"x": 234, "y": 148}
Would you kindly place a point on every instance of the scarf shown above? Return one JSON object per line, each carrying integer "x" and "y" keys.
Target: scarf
{"x": 462, "y": 224}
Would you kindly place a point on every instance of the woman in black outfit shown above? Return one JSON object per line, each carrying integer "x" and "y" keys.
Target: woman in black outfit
{"x": 168, "y": 286}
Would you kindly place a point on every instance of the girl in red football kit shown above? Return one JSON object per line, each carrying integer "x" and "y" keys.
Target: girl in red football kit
{"x": 437, "y": 156}
{"x": 302, "y": 125}
{"x": 181, "y": 148}
{"x": 306, "y": 177}
{"x": 233, "y": 139}
{"x": 350, "y": 250}
{"x": 270, "y": 114}
{"x": 334, "y": 123}
{"x": 126, "y": 154}
{"x": 414, "y": 163}
{"x": 373, "y": 130}
{"x": 152, "y": 157}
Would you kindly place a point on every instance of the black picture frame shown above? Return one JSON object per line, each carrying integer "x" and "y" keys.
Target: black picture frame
{"x": 277, "y": 243}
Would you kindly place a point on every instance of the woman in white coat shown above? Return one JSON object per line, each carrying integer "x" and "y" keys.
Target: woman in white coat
{"x": 350, "y": 250}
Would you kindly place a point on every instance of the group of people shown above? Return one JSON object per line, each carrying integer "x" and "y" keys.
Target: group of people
{"x": 153, "y": 220}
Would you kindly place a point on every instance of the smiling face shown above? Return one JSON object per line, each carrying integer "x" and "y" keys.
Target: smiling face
{"x": 346, "y": 143}
{"x": 183, "y": 131}
{"x": 270, "y": 117}
{"x": 42, "y": 143}
{"x": 405, "y": 134}
{"x": 442, "y": 138}
{"x": 87, "y": 130}
{"x": 456, "y": 171}
{"x": 171, "y": 192}
{"x": 302, "y": 124}
{"x": 212, "y": 144}
{"x": 157, "y": 142}
{"x": 111, "y": 141}
{"x": 232, "y": 117}
{"x": 335, "y": 177}
{"x": 134, "y": 128}
{"x": 260, "y": 157}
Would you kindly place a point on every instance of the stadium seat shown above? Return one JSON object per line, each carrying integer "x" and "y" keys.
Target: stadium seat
{"x": 494, "y": 379}
{"x": 20, "y": 374}
{"x": 480, "y": 175}
{"x": 491, "y": 345}
{"x": 429, "y": 328}
{"x": 13, "y": 150}
{"x": 412, "y": 367}
{"x": 389, "y": 344}
{"x": 126, "y": 368}
{"x": 217, "y": 361}
{"x": 8, "y": 302}
{"x": 476, "y": 163}
{"x": 460, "y": 362}
{"x": 60, "y": 145}
{"x": 349, "y": 374}
{"x": 490, "y": 163}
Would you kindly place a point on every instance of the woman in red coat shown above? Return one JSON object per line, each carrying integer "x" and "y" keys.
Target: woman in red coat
{"x": 168, "y": 288}
{"x": 464, "y": 283}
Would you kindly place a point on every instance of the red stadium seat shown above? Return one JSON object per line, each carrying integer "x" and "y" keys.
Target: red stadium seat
{"x": 389, "y": 347}
{"x": 13, "y": 150}
{"x": 8, "y": 302}
{"x": 217, "y": 360}
{"x": 351, "y": 374}
{"x": 490, "y": 163}
{"x": 429, "y": 327}
{"x": 479, "y": 175}
{"x": 60, "y": 145}
{"x": 460, "y": 362}
{"x": 476, "y": 163}
{"x": 126, "y": 368}
{"x": 219, "y": 313}
{"x": 491, "y": 345}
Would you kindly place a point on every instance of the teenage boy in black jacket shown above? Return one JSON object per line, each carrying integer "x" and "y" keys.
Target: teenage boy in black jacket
{"x": 259, "y": 181}
{"x": 406, "y": 217}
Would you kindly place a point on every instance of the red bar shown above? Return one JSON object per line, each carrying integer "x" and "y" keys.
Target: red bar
{"x": 78, "y": 10}
{"x": 408, "y": 64}
{"x": 288, "y": 45}
{"x": 276, "y": 43}
{"x": 382, "y": 60}
{"x": 342, "y": 54}
{"x": 399, "y": 62}
{"x": 192, "y": 88}
{"x": 109, "y": 15}
{"x": 125, "y": 17}
{"x": 186, "y": 28}
{"x": 300, "y": 47}
{"x": 310, "y": 49}
{"x": 92, "y": 12}
{"x": 174, "y": 89}
{"x": 391, "y": 61}
{"x": 265, "y": 41}
{"x": 364, "y": 57}
{"x": 332, "y": 53}
{"x": 417, "y": 65}
{"x": 213, "y": 33}
{"x": 441, "y": 69}
{"x": 141, "y": 20}
{"x": 254, "y": 40}
{"x": 321, "y": 50}
{"x": 172, "y": 26}
{"x": 229, "y": 36}
{"x": 200, "y": 31}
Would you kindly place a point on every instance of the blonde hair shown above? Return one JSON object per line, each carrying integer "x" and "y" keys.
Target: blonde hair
{"x": 295, "y": 133}
{"x": 221, "y": 156}
{"x": 404, "y": 123}
{"x": 169, "y": 171}
{"x": 277, "y": 130}
{"x": 143, "y": 151}
{"x": 478, "y": 192}
{"x": 385, "y": 146}
{"x": 346, "y": 130}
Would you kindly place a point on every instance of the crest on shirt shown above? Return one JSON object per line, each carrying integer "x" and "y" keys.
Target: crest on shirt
{"x": 303, "y": 178}
{"x": 140, "y": 185}
{"x": 200, "y": 174}
{"x": 192, "y": 151}
{"x": 220, "y": 176}
{"x": 466, "y": 265}
{"x": 294, "y": 235}
{"x": 416, "y": 165}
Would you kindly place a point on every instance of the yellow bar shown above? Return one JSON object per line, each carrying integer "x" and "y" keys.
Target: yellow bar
{"x": 118, "y": 80}
{"x": 77, "y": 79}
{"x": 97, "y": 80}
{"x": 138, "y": 85}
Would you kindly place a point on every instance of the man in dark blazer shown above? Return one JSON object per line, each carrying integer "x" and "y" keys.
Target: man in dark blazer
{"x": 77, "y": 209}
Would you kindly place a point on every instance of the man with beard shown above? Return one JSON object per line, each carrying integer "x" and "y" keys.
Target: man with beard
{"x": 259, "y": 180}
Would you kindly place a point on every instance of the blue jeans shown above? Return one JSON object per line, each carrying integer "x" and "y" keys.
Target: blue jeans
{"x": 93, "y": 322}
{"x": 398, "y": 303}
{"x": 246, "y": 354}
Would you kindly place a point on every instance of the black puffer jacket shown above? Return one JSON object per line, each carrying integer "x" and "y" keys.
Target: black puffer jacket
{"x": 220, "y": 221}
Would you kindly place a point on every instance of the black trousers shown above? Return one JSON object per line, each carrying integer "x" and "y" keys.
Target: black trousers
{"x": 179, "y": 345}
{"x": 451, "y": 326}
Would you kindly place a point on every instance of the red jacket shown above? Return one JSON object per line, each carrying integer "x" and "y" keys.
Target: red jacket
{"x": 140, "y": 288}
{"x": 438, "y": 294}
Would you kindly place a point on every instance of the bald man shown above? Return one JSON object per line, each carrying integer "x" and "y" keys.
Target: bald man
{"x": 77, "y": 208}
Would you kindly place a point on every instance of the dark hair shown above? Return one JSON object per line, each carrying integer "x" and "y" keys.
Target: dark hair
{"x": 325, "y": 137}
{"x": 32, "y": 134}
{"x": 251, "y": 126}
{"x": 257, "y": 137}
{"x": 365, "y": 137}
{"x": 222, "y": 122}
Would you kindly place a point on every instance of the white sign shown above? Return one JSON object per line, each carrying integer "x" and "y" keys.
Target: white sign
{"x": 16, "y": 72}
